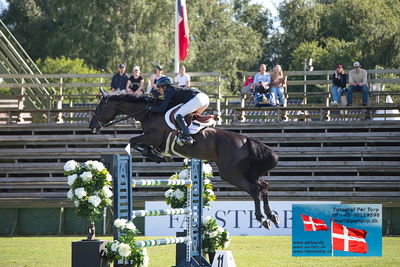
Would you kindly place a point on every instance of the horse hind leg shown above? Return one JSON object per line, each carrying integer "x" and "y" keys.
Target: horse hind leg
{"x": 264, "y": 192}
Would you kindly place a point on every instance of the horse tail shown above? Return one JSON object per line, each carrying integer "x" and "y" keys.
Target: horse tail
{"x": 260, "y": 160}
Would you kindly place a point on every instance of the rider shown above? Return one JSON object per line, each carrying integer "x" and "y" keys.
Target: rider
{"x": 193, "y": 101}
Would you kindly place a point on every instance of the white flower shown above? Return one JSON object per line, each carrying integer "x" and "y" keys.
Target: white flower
{"x": 207, "y": 169}
{"x": 130, "y": 226}
{"x": 95, "y": 165}
{"x": 124, "y": 250}
{"x": 210, "y": 192}
{"x": 70, "y": 165}
{"x": 107, "y": 192}
{"x": 114, "y": 245}
{"x": 207, "y": 181}
{"x": 184, "y": 174}
{"x": 108, "y": 177}
{"x": 70, "y": 194}
{"x": 94, "y": 200}
{"x": 80, "y": 192}
{"x": 220, "y": 229}
{"x": 179, "y": 194}
{"x": 213, "y": 234}
{"x": 86, "y": 176}
{"x": 169, "y": 193}
{"x": 120, "y": 223}
{"x": 205, "y": 249}
{"x": 71, "y": 179}
{"x": 76, "y": 203}
{"x": 206, "y": 220}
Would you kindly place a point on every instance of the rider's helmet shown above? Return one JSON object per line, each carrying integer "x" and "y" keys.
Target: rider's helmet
{"x": 164, "y": 81}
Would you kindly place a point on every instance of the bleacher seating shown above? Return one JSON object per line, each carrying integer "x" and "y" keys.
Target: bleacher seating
{"x": 318, "y": 160}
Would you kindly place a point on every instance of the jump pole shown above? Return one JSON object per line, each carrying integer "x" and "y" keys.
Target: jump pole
{"x": 121, "y": 170}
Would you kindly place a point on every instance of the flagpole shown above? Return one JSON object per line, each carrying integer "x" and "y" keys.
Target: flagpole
{"x": 176, "y": 70}
{"x": 332, "y": 237}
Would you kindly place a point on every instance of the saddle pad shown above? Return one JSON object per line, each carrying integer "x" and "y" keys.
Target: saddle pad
{"x": 194, "y": 127}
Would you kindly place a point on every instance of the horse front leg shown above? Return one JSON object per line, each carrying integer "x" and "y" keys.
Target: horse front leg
{"x": 142, "y": 144}
{"x": 264, "y": 192}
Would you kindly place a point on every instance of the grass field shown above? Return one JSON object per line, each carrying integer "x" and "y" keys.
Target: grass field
{"x": 247, "y": 251}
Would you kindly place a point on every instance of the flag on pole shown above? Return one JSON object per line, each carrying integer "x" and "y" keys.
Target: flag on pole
{"x": 349, "y": 239}
{"x": 313, "y": 224}
{"x": 183, "y": 28}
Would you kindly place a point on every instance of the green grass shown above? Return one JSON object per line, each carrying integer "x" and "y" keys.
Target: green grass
{"x": 257, "y": 251}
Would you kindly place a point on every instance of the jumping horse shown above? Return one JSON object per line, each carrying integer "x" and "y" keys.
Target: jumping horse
{"x": 241, "y": 160}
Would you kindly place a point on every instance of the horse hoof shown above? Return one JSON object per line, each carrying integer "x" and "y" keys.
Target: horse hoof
{"x": 275, "y": 219}
{"x": 267, "y": 224}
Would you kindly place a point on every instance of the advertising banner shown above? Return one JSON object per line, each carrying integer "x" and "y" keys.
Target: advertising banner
{"x": 337, "y": 230}
{"x": 236, "y": 216}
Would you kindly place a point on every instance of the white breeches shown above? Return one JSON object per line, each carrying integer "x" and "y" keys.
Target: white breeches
{"x": 199, "y": 103}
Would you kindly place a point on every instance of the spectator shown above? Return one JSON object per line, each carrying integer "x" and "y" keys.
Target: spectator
{"x": 158, "y": 73}
{"x": 135, "y": 82}
{"x": 182, "y": 79}
{"x": 266, "y": 99}
{"x": 120, "y": 79}
{"x": 358, "y": 82}
{"x": 339, "y": 78}
{"x": 262, "y": 80}
{"x": 278, "y": 82}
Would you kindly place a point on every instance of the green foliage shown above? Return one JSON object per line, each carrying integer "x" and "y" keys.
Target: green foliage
{"x": 214, "y": 236}
{"x": 67, "y": 65}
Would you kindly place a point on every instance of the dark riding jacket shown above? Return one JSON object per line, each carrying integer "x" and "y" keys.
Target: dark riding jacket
{"x": 174, "y": 96}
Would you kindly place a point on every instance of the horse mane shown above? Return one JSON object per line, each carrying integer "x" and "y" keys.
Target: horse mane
{"x": 133, "y": 99}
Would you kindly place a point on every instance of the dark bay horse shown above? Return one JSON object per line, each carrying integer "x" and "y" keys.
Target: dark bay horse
{"x": 241, "y": 160}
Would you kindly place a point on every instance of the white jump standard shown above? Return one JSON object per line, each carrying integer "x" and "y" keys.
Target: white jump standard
{"x": 123, "y": 197}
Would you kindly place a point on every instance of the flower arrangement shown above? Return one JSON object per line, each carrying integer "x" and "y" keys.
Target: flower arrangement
{"x": 90, "y": 189}
{"x": 177, "y": 194}
{"x": 214, "y": 236}
{"x": 125, "y": 248}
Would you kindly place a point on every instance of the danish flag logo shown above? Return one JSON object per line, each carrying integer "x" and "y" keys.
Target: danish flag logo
{"x": 313, "y": 224}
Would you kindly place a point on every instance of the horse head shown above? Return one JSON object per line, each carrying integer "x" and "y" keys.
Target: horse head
{"x": 104, "y": 113}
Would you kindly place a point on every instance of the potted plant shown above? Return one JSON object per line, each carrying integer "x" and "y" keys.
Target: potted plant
{"x": 214, "y": 237}
{"x": 177, "y": 194}
{"x": 125, "y": 249}
{"x": 90, "y": 190}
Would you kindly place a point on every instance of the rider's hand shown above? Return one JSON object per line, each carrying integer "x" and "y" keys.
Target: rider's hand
{"x": 147, "y": 107}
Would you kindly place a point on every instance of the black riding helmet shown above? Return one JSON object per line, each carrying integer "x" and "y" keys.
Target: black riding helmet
{"x": 164, "y": 81}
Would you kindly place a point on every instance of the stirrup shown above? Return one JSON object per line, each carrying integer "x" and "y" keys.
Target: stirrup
{"x": 184, "y": 140}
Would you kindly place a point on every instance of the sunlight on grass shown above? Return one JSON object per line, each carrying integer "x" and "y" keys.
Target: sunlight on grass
{"x": 254, "y": 251}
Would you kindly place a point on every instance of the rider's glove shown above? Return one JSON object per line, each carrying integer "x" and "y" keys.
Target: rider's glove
{"x": 147, "y": 108}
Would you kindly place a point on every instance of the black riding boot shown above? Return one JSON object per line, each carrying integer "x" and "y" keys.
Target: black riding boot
{"x": 185, "y": 137}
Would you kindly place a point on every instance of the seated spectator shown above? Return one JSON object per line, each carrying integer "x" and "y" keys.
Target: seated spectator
{"x": 120, "y": 79}
{"x": 247, "y": 86}
{"x": 339, "y": 78}
{"x": 278, "y": 83}
{"x": 358, "y": 82}
{"x": 158, "y": 73}
{"x": 182, "y": 79}
{"x": 135, "y": 83}
{"x": 262, "y": 80}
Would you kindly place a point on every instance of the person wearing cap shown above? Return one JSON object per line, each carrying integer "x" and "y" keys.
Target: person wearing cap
{"x": 192, "y": 99}
{"x": 339, "y": 78}
{"x": 158, "y": 73}
{"x": 358, "y": 82}
{"x": 135, "y": 83}
{"x": 182, "y": 79}
{"x": 120, "y": 79}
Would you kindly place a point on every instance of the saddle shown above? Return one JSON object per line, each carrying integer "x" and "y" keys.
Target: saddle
{"x": 195, "y": 121}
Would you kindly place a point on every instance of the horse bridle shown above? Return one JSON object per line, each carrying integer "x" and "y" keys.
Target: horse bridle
{"x": 104, "y": 125}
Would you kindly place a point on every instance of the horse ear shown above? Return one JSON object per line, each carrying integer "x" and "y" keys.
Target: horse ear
{"x": 103, "y": 93}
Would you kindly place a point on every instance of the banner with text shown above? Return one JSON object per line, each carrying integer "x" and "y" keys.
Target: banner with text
{"x": 236, "y": 216}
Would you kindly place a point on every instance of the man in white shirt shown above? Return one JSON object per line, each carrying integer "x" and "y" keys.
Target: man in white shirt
{"x": 358, "y": 82}
{"x": 182, "y": 79}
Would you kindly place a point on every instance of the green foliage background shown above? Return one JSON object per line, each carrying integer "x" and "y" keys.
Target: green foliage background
{"x": 228, "y": 36}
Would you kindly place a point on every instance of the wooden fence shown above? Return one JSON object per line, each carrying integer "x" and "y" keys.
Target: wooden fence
{"x": 311, "y": 102}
